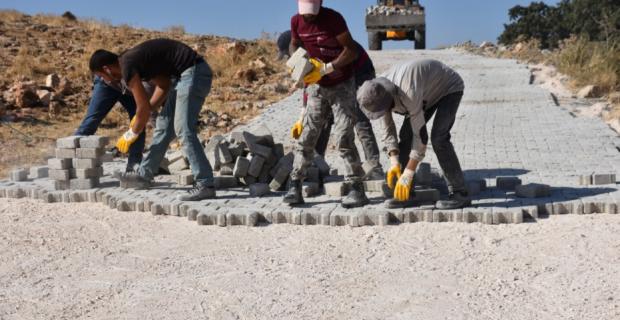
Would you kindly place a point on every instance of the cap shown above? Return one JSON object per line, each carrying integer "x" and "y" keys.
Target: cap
{"x": 376, "y": 97}
{"x": 309, "y": 6}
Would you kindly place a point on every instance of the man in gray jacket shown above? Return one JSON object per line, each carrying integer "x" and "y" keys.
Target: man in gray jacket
{"x": 418, "y": 90}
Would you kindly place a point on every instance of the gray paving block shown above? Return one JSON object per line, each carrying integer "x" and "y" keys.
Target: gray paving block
{"x": 286, "y": 214}
{"x": 65, "y": 153}
{"x": 373, "y": 218}
{"x": 342, "y": 217}
{"x": 39, "y": 172}
{"x": 185, "y": 178}
{"x": 71, "y": 142}
{"x": 259, "y": 190}
{"x": 60, "y": 175}
{"x": 210, "y": 217}
{"x": 564, "y": 207}
{"x": 16, "y": 193}
{"x": 426, "y": 195}
{"x": 59, "y": 164}
{"x": 315, "y": 217}
{"x": 248, "y": 180}
{"x": 264, "y": 176}
{"x": 593, "y": 206}
{"x": 93, "y": 142}
{"x": 223, "y": 153}
{"x": 107, "y": 157}
{"x": 313, "y": 175}
{"x": 88, "y": 173}
{"x": 603, "y": 179}
{"x": 322, "y": 165}
{"x": 533, "y": 190}
{"x": 612, "y": 207}
{"x": 227, "y": 169}
{"x": 237, "y": 149}
{"x": 412, "y": 215}
{"x": 242, "y": 165}
{"x": 585, "y": 180}
{"x": 19, "y": 175}
{"x": 211, "y": 152}
{"x": 61, "y": 185}
{"x": 242, "y": 217}
{"x": 475, "y": 187}
{"x": 337, "y": 189}
{"x": 225, "y": 182}
{"x": 311, "y": 189}
{"x": 299, "y": 55}
{"x": 502, "y": 215}
{"x": 83, "y": 184}
{"x": 85, "y": 163}
{"x": 254, "y": 147}
{"x": 89, "y": 153}
{"x": 301, "y": 69}
{"x": 507, "y": 183}
{"x": 256, "y": 165}
{"x": 179, "y": 165}
{"x": 280, "y": 178}
{"x": 376, "y": 186}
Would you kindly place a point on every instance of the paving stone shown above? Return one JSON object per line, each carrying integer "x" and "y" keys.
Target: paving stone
{"x": 376, "y": 186}
{"x": 412, "y": 215}
{"x": 280, "y": 178}
{"x": 179, "y": 165}
{"x": 533, "y": 190}
{"x": 585, "y": 180}
{"x": 315, "y": 217}
{"x": 59, "y": 164}
{"x": 313, "y": 175}
{"x": 225, "y": 182}
{"x": 60, "y": 175}
{"x": 65, "y": 153}
{"x": 211, "y": 152}
{"x": 93, "y": 142}
{"x": 242, "y": 217}
{"x": 71, "y": 142}
{"x": 259, "y": 190}
{"x": 475, "y": 187}
{"x": 285, "y": 214}
{"x": 603, "y": 179}
{"x": 373, "y": 218}
{"x": 242, "y": 165}
{"x": 612, "y": 208}
{"x": 39, "y": 172}
{"x": 256, "y": 165}
{"x": 592, "y": 207}
{"x": 19, "y": 175}
{"x": 87, "y": 173}
{"x": 248, "y": 180}
{"x": 507, "y": 183}
{"x": 223, "y": 153}
{"x": 426, "y": 195}
{"x": 321, "y": 164}
{"x": 311, "y": 189}
{"x": 343, "y": 217}
{"x": 264, "y": 176}
{"x": 237, "y": 149}
{"x": 185, "y": 178}
{"x": 85, "y": 163}
{"x": 211, "y": 218}
{"x": 61, "y": 185}
{"x": 83, "y": 184}
{"x": 255, "y": 147}
{"x": 16, "y": 193}
{"x": 337, "y": 189}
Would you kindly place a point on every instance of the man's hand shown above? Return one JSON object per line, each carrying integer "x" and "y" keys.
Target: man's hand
{"x": 394, "y": 172}
{"x": 320, "y": 70}
{"x": 297, "y": 129}
{"x": 125, "y": 141}
{"x": 403, "y": 187}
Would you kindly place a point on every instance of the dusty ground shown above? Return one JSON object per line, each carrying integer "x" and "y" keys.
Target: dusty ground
{"x": 85, "y": 261}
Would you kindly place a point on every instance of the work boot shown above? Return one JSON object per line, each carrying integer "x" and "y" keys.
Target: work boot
{"x": 293, "y": 196}
{"x": 375, "y": 174}
{"x": 456, "y": 200}
{"x": 356, "y": 197}
{"x": 135, "y": 181}
{"x": 197, "y": 193}
{"x": 395, "y": 204}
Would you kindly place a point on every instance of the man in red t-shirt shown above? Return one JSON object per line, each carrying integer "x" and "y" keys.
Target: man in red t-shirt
{"x": 331, "y": 89}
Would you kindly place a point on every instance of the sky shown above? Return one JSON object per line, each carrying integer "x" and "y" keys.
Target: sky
{"x": 448, "y": 21}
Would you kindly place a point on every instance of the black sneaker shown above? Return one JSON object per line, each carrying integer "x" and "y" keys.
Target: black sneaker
{"x": 134, "y": 180}
{"x": 456, "y": 200}
{"x": 197, "y": 193}
{"x": 294, "y": 197}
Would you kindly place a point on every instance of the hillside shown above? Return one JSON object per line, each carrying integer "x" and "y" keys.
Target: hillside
{"x": 247, "y": 78}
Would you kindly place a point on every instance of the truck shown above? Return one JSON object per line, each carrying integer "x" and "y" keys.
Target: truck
{"x": 396, "y": 20}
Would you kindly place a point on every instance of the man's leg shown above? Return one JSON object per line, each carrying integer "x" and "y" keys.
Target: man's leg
{"x": 192, "y": 89}
{"x": 101, "y": 102}
{"x": 447, "y": 108}
{"x": 323, "y": 140}
{"x": 364, "y": 131}
{"x": 136, "y": 149}
{"x": 316, "y": 118}
{"x": 162, "y": 136}
{"x": 342, "y": 100}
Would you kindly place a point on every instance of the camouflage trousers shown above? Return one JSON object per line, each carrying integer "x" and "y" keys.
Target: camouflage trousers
{"x": 339, "y": 100}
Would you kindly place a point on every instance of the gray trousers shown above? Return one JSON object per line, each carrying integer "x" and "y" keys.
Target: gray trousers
{"x": 340, "y": 101}
{"x": 445, "y": 115}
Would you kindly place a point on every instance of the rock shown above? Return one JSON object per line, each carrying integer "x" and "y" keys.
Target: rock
{"x": 590, "y": 91}
{"x": 45, "y": 97}
{"x": 69, "y": 16}
{"x": 52, "y": 81}
{"x": 24, "y": 95}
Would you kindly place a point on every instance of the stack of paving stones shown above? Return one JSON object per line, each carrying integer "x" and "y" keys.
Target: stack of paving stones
{"x": 77, "y": 164}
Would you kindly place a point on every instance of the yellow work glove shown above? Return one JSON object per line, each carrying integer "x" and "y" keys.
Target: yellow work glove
{"x": 127, "y": 139}
{"x": 403, "y": 186}
{"x": 394, "y": 172}
{"x": 320, "y": 70}
{"x": 297, "y": 129}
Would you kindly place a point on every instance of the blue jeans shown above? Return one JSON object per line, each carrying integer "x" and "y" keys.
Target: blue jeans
{"x": 179, "y": 118}
{"x": 103, "y": 99}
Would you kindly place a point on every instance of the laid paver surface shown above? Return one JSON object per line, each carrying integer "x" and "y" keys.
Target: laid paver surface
{"x": 505, "y": 127}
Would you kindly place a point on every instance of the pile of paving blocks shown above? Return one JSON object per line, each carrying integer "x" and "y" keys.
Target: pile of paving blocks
{"x": 77, "y": 164}
{"x": 257, "y": 162}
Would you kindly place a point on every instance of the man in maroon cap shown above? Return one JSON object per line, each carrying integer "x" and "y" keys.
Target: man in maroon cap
{"x": 323, "y": 32}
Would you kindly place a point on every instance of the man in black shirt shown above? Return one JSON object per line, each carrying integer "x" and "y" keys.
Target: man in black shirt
{"x": 182, "y": 81}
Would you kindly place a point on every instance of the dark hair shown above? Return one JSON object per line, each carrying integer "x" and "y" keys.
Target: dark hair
{"x": 102, "y": 58}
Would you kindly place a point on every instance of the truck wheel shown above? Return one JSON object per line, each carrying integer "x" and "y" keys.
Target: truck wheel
{"x": 420, "y": 40}
{"x": 374, "y": 41}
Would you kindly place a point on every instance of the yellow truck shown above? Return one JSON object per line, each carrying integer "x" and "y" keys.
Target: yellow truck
{"x": 396, "y": 20}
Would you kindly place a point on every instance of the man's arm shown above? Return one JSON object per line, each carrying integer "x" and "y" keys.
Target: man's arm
{"x": 349, "y": 54}
{"x": 162, "y": 87}
{"x": 143, "y": 104}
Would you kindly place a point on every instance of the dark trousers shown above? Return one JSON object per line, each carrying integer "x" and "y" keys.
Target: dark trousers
{"x": 101, "y": 102}
{"x": 445, "y": 114}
